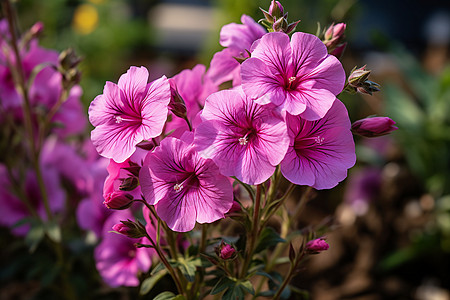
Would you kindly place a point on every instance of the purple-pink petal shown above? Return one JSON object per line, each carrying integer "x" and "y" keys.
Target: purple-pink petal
{"x": 298, "y": 74}
{"x": 320, "y": 151}
{"x": 128, "y": 113}
{"x": 184, "y": 187}
{"x": 243, "y": 138}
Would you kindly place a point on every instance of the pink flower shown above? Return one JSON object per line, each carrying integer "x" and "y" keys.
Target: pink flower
{"x": 316, "y": 246}
{"x": 298, "y": 75}
{"x": 374, "y": 126}
{"x": 117, "y": 259}
{"x": 320, "y": 151}
{"x": 129, "y": 112}
{"x": 244, "y": 139}
{"x": 237, "y": 38}
{"x": 13, "y": 208}
{"x": 184, "y": 187}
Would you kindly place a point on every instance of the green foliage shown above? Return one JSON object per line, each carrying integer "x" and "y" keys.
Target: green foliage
{"x": 422, "y": 113}
{"x": 269, "y": 238}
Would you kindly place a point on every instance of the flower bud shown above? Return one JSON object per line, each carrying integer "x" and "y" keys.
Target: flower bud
{"x": 226, "y": 251}
{"x": 358, "y": 82}
{"x": 276, "y": 9}
{"x": 130, "y": 229}
{"x": 129, "y": 183}
{"x": 373, "y": 126}
{"x": 339, "y": 50}
{"x": 36, "y": 29}
{"x": 118, "y": 200}
{"x": 176, "y": 104}
{"x": 316, "y": 246}
{"x": 68, "y": 59}
{"x": 335, "y": 32}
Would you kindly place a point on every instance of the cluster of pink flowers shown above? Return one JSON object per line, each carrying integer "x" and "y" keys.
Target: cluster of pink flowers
{"x": 175, "y": 149}
{"x": 282, "y": 110}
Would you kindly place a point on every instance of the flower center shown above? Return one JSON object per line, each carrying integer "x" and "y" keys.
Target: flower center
{"x": 243, "y": 140}
{"x": 291, "y": 83}
{"x": 178, "y": 187}
{"x": 319, "y": 140}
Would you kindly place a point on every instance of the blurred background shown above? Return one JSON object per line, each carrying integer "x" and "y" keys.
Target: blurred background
{"x": 390, "y": 220}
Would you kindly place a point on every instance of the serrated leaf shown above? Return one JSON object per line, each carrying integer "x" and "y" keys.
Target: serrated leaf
{"x": 189, "y": 267}
{"x": 150, "y": 282}
{"x": 269, "y": 237}
{"x": 223, "y": 284}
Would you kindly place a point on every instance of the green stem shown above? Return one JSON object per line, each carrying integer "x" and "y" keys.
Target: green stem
{"x": 288, "y": 278}
{"x": 253, "y": 235}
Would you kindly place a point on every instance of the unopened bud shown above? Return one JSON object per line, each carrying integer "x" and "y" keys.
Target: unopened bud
{"x": 176, "y": 104}
{"x": 226, "y": 251}
{"x": 129, "y": 184}
{"x": 68, "y": 59}
{"x": 36, "y": 29}
{"x": 118, "y": 200}
{"x": 316, "y": 246}
{"x": 358, "y": 82}
{"x": 373, "y": 126}
{"x": 276, "y": 9}
{"x": 339, "y": 50}
{"x": 280, "y": 25}
{"x": 130, "y": 229}
{"x": 335, "y": 31}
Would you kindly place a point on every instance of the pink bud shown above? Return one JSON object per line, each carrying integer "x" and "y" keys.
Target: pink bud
{"x": 117, "y": 200}
{"x": 227, "y": 252}
{"x": 339, "y": 50}
{"x": 316, "y": 246}
{"x": 373, "y": 126}
{"x": 176, "y": 104}
{"x": 276, "y": 9}
{"x": 37, "y": 28}
{"x": 130, "y": 229}
{"x": 335, "y": 31}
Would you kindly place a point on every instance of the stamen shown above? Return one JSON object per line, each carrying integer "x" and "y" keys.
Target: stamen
{"x": 243, "y": 140}
{"x": 319, "y": 140}
{"x": 292, "y": 79}
{"x": 119, "y": 119}
{"x": 177, "y": 187}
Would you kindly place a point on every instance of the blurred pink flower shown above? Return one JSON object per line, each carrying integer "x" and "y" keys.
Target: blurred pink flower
{"x": 128, "y": 112}
{"x": 298, "y": 74}
{"x": 117, "y": 258}
{"x": 13, "y": 209}
{"x": 237, "y": 38}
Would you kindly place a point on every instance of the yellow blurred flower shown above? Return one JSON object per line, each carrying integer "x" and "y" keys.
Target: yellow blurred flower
{"x": 85, "y": 19}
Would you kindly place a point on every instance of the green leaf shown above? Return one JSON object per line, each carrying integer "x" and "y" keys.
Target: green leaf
{"x": 223, "y": 284}
{"x": 150, "y": 282}
{"x": 189, "y": 267}
{"x": 169, "y": 296}
{"x": 269, "y": 237}
{"x": 234, "y": 293}
{"x": 35, "y": 236}
{"x": 53, "y": 231}
{"x": 247, "y": 286}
